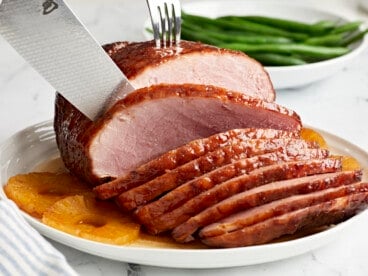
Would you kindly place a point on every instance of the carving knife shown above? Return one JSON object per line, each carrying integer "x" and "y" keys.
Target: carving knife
{"x": 48, "y": 35}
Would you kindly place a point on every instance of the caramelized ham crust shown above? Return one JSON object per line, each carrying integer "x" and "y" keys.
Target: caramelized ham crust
{"x": 148, "y": 213}
{"x": 287, "y": 216}
{"x": 146, "y": 192}
{"x": 267, "y": 193}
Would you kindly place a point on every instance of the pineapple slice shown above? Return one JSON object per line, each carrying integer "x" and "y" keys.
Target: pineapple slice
{"x": 313, "y": 136}
{"x": 34, "y": 193}
{"x": 350, "y": 163}
{"x": 88, "y": 218}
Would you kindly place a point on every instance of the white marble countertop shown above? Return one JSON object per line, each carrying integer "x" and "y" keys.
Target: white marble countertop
{"x": 338, "y": 105}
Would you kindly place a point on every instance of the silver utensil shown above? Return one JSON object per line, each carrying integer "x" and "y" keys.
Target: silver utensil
{"x": 52, "y": 39}
{"x": 166, "y": 21}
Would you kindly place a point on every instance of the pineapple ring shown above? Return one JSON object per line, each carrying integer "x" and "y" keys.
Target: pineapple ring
{"x": 313, "y": 136}
{"x": 34, "y": 193}
{"x": 350, "y": 163}
{"x": 88, "y": 218}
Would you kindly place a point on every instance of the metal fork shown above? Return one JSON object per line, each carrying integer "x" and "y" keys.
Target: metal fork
{"x": 166, "y": 21}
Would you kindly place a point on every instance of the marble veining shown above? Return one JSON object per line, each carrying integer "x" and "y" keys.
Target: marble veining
{"x": 338, "y": 104}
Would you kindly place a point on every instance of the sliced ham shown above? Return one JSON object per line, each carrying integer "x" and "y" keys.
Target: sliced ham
{"x": 287, "y": 216}
{"x": 267, "y": 193}
{"x": 244, "y": 182}
{"x": 148, "y": 213}
{"x": 191, "y": 62}
{"x": 179, "y": 156}
{"x": 148, "y": 191}
{"x": 153, "y": 120}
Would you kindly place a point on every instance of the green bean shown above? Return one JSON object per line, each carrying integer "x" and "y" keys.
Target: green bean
{"x": 289, "y": 25}
{"x": 243, "y": 26}
{"x": 347, "y": 27}
{"x": 198, "y": 36}
{"x": 239, "y": 37}
{"x": 326, "y": 24}
{"x": 354, "y": 38}
{"x": 270, "y": 59}
{"x": 327, "y": 40}
{"x": 300, "y": 49}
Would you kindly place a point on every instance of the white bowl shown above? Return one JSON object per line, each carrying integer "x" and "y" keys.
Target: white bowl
{"x": 281, "y": 76}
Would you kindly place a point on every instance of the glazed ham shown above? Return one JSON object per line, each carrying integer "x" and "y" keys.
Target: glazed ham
{"x": 154, "y": 125}
{"x": 150, "y": 121}
{"x": 146, "y": 192}
{"x": 179, "y": 156}
{"x": 213, "y": 194}
{"x": 148, "y": 213}
{"x": 201, "y": 150}
{"x": 264, "y": 194}
{"x": 239, "y": 220}
{"x": 192, "y": 62}
{"x": 288, "y": 216}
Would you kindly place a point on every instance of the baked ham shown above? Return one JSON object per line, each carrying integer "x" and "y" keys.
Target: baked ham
{"x": 150, "y": 121}
{"x": 200, "y": 149}
{"x": 239, "y": 220}
{"x": 213, "y": 194}
{"x": 172, "y": 159}
{"x": 178, "y": 196}
{"x": 177, "y": 112}
{"x": 150, "y": 190}
{"x": 192, "y": 62}
{"x": 304, "y": 212}
{"x": 262, "y": 195}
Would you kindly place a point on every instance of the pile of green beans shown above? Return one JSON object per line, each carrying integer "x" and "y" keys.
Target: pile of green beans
{"x": 274, "y": 41}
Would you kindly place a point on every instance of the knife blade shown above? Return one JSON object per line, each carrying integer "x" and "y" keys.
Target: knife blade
{"x": 49, "y": 36}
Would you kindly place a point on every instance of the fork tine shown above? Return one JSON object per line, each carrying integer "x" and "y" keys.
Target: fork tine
{"x": 161, "y": 11}
{"x": 169, "y": 21}
{"x": 155, "y": 20}
{"x": 166, "y": 21}
{"x": 177, "y": 20}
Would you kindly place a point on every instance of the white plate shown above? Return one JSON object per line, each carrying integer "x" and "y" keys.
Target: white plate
{"x": 282, "y": 76}
{"x": 21, "y": 152}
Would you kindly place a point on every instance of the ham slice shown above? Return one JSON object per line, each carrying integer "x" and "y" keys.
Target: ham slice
{"x": 148, "y": 213}
{"x": 174, "y": 158}
{"x": 146, "y": 192}
{"x": 154, "y": 120}
{"x": 267, "y": 193}
{"x": 191, "y": 62}
{"x": 286, "y": 216}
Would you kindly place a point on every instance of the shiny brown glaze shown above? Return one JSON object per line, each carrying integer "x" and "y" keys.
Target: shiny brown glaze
{"x": 148, "y": 191}
{"x": 149, "y": 214}
{"x": 307, "y": 212}
{"x": 267, "y": 193}
{"x": 177, "y": 157}
{"x": 283, "y": 171}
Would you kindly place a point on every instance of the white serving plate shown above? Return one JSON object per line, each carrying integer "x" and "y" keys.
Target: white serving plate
{"x": 36, "y": 144}
{"x": 282, "y": 76}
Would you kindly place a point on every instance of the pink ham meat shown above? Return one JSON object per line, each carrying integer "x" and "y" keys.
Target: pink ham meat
{"x": 210, "y": 195}
{"x": 153, "y": 120}
{"x": 148, "y": 213}
{"x": 179, "y": 156}
{"x": 265, "y": 194}
{"x": 148, "y": 191}
{"x": 286, "y": 216}
{"x": 191, "y": 62}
